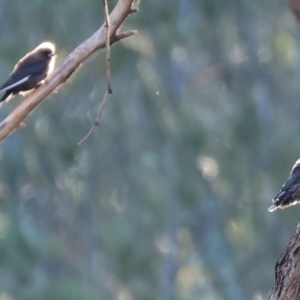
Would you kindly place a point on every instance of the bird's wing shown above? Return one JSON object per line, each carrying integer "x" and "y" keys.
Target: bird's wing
{"x": 30, "y": 67}
{"x": 21, "y": 73}
{"x": 293, "y": 179}
{"x": 9, "y": 85}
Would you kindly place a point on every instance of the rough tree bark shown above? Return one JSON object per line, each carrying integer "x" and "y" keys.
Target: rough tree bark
{"x": 287, "y": 271}
{"x": 97, "y": 41}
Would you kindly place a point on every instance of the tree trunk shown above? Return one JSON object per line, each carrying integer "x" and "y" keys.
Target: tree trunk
{"x": 287, "y": 271}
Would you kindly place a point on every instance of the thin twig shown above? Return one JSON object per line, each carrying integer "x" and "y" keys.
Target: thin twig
{"x": 108, "y": 73}
{"x": 107, "y": 48}
{"x": 121, "y": 35}
{"x": 96, "y": 123}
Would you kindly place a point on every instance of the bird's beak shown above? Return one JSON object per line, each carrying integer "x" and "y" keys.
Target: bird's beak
{"x": 51, "y": 54}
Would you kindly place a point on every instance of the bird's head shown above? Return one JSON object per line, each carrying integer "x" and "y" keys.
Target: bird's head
{"x": 296, "y": 167}
{"x": 46, "y": 50}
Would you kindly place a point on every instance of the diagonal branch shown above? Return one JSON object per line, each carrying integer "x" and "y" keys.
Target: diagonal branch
{"x": 97, "y": 41}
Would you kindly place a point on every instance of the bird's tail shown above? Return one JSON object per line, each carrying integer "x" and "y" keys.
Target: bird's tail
{"x": 5, "y": 96}
{"x": 272, "y": 207}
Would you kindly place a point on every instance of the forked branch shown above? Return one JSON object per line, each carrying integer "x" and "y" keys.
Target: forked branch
{"x": 97, "y": 41}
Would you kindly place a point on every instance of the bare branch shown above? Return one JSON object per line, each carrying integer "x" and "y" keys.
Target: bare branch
{"x": 107, "y": 46}
{"x": 70, "y": 65}
{"x": 108, "y": 74}
{"x": 122, "y": 35}
{"x": 96, "y": 123}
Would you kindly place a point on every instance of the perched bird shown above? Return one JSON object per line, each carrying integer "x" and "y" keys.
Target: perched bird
{"x": 30, "y": 71}
{"x": 290, "y": 191}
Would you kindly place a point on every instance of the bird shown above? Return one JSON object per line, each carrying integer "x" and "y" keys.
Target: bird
{"x": 290, "y": 192}
{"x": 30, "y": 71}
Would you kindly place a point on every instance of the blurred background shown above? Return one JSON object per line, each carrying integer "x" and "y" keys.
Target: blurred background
{"x": 168, "y": 198}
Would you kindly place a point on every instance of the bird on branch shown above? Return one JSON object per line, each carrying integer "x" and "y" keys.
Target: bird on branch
{"x": 30, "y": 71}
{"x": 290, "y": 192}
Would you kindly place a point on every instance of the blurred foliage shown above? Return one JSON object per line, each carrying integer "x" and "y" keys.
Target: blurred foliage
{"x": 168, "y": 199}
